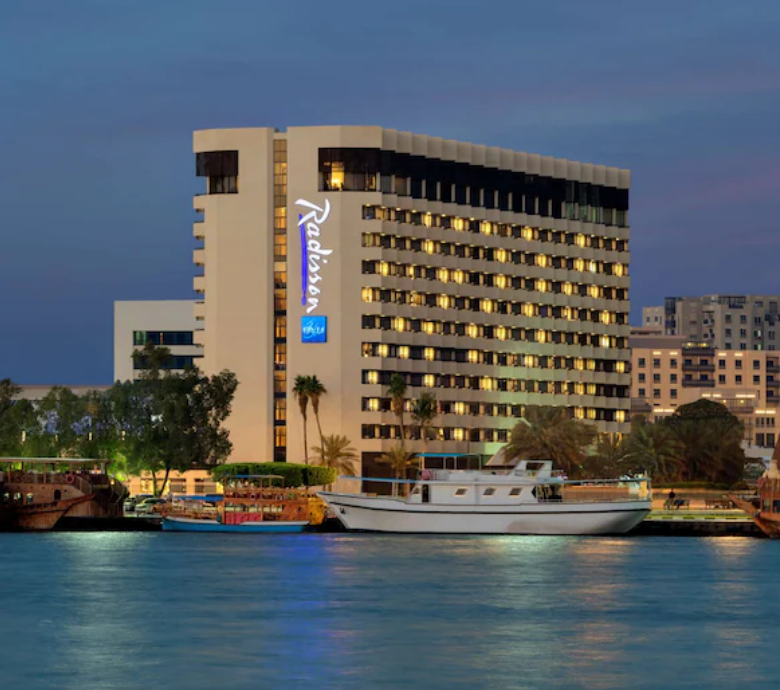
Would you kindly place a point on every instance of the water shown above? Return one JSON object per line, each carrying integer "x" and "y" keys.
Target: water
{"x": 185, "y": 611}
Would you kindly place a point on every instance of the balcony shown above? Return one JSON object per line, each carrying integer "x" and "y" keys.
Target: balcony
{"x": 199, "y": 257}
{"x": 199, "y": 230}
{"x": 199, "y": 337}
{"x": 773, "y": 384}
{"x": 699, "y": 367}
{"x": 772, "y": 368}
{"x": 199, "y": 284}
{"x": 700, "y": 350}
{"x": 699, "y": 383}
{"x": 199, "y": 310}
{"x": 641, "y": 406}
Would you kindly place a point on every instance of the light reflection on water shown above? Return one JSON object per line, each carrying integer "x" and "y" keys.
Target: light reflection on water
{"x": 369, "y": 611}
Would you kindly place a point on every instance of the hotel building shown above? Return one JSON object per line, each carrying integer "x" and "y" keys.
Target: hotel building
{"x": 492, "y": 278}
{"x": 168, "y": 323}
{"x": 669, "y": 371}
{"x": 727, "y": 322}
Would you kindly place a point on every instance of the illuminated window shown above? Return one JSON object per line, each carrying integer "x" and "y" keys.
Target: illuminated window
{"x": 428, "y": 327}
{"x": 410, "y": 271}
{"x": 529, "y": 360}
{"x": 620, "y": 416}
{"x": 591, "y": 413}
{"x": 472, "y": 330}
{"x": 529, "y": 309}
{"x": 604, "y": 341}
{"x": 443, "y": 275}
{"x": 381, "y": 350}
{"x": 579, "y": 364}
{"x": 501, "y": 282}
{"x": 619, "y": 270}
{"x": 541, "y": 285}
{"x": 384, "y": 268}
{"x": 373, "y": 404}
{"x": 566, "y": 313}
{"x": 403, "y": 352}
{"x": 500, "y": 333}
{"x": 579, "y": 413}
{"x": 429, "y": 353}
{"x": 485, "y": 227}
{"x": 579, "y": 389}
{"x": 459, "y": 408}
{"x": 428, "y": 221}
{"x": 606, "y": 317}
{"x": 542, "y": 260}
{"x": 429, "y": 380}
{"x": 579, "y": 264}
{"x": 429, "y": 247}
{"x": 593, "y": 290}
{"x": 457, "y": 276}
{"x": 501, "y": 255}
{"x": 620, "y": 367}
{"x": 367, "y": 294}
{"x": 541, "y": 336}
{"x": 473, "y": 356}
{"x": 528, "y": 234}
{"x": 459, "y": 224}
{"x": 568, "y": 289}
{"x": 592, "y": 266}
{"x": 591, "y": 388}
{"x": 372, "y": 377}
{"x": 457, "y": 434}
{"x": 443, "y": 301}
{"x": 591, "y": 364}
{"x": 486, "y": 383}
{"x": 400, "y": 324}
{"x": 487, "y": 306}
{"x": 580, "y": 241}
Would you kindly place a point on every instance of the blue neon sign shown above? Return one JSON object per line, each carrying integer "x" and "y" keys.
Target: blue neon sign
{"x": 314, "y": 329}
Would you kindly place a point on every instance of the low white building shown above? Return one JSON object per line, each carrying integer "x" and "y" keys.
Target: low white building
{"x": 169, "y": 323}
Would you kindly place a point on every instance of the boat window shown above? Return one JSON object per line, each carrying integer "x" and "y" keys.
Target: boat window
{"x": 461, "y": 492}
{"x": 515, "y": 491}
{"x": 489, "y": 491}
{"x": 416, "y": 490}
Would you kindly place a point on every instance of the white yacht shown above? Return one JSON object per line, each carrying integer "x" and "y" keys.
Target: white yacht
{"x": 452, "y": 495}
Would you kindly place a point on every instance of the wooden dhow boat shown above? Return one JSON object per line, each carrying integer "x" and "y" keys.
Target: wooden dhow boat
{"x": 764, "y": 506}
{"x": 35, "y": 493}
{"x": 250, "y": 504}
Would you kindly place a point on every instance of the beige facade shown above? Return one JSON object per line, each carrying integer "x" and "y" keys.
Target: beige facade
{"x": 728, "y": 322}
{"x": 190, "y": 483}
{"x": 492, "y": 278}
{"x": 169, "y": 323}
{"x": 669, "y": 371}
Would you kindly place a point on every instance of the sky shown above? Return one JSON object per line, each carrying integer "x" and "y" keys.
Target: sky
{"x": 98, "y": 101}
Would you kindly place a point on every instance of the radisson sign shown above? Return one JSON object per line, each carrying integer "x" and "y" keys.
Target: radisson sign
{"x": 313, "y": 257}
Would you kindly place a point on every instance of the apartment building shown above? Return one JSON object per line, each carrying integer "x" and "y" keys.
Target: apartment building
{"x": 728, "y": 322}
{"x": 669, "y": 371}
{"x": 168, "y": 323}
{"x": 492, "y": 278}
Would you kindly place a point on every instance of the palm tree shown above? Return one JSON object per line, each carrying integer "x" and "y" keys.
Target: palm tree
{"x": 654, "y": 449}
{"x": 336, "y": 453}
{"x": 316, "y": 390}
{"x": 608, "y": 457}
{"x": 548, "y": 433}
{"x": 424, "y": 411}
{"x": 397, "y": 393}
{"x": 301, "y": 393}
{"x": 399, "y": 461}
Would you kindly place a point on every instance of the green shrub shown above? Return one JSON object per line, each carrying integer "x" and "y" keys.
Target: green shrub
{"x": 691, "y": 485}
{"x": 295, "y": 475}
{"x": 317, "y": 475}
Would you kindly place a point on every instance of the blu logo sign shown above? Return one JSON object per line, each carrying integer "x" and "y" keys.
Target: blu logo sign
{"x": 314, "y": 329}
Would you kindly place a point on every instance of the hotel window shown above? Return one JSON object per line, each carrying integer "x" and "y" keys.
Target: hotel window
{"x": 641, "y": 362}
{"x": 641, "y": 378}
{"x": 656, "y": 392}
{"x": 756, "y": 364}
{"x": 656, "y": 363}
{"x": 673, "y": 378}
{"x": 656, "y": 378}
{"x": 756, "y": 379}
{"x": 721, "y": 378}
{"x": 673, "y": 392}
{"x": 738, "y": 378}
{"x": 737, "y": 363}
{"x": 642, "y": 393}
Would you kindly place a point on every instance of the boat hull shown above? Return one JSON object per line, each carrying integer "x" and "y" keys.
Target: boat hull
{"x": 768, "y": 523}
{"x": 380, "y": 514}
{"x": 181, "y": 524}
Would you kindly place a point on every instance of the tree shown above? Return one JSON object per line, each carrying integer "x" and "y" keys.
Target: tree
{"x": 316, "y": 390}
{"x": 652, "y": 449}
{"x": 710, "y": 439}
{"x": 399, "y": 461}
{"x": 397, "y": 393}
{"x": 64, "y": 415}
{"x": 301, "y": 394}
{"x": 548, "y": 433}
{"x": 10, "y": 433}
{"x": 424, "y": 412}
{"x": 607, "y": 459}
{"x": 337, "y": 453}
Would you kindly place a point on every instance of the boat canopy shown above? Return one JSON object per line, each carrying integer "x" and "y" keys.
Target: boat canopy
{"x": 450, "y": 461}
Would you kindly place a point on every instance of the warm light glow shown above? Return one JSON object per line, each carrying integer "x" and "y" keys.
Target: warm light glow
{"x": 541, "y": 285}
{"x": 593, "y": 290}
{"x": 429, "y": 353}
{"x": 542, "y": 260}
{"x": 620, "y": 367}
{"x": 429, "y": 380}
{"x": 580, "y": 241}
{"x": 427, "y": 220}
{"x": 367, "y": 294}
{"x": 568, "y": 288}
{"x": 620, "y": 416}
{"x": 429, "y": 247}
{"x": 579, "y": 264}
{"x": 443, "y": 301}
{"x": 606, "y": 317}
{"x": 372, "y": 377}
{"x": 487, "y": 306}
{"x": 403, "y": 352}
{"x": 443, "y": 274}
{"x": 528, "y": 233}
{"x": 384, "y": 268}
{"x": 541, "y": 336}
{"x": 485, "y": 227}
{"x": 579, "y": 413}
{"x": 457, "y": 276}
{"x": 604, "y": 341}
{"x": 472, "y": 330}
{"x": 459, "y": 408}
{"x": 473, "y": 356}
{"x": 457, "y": 434}
{"x": 619, "y": 270}
{"x": 381, "y": 350}
{"x": 428, "y": 327}
{"x": 373, "y": 404}
{"x": 529, "y": 309}
{"x": 400, "y": 324}
{"x": 529, "y": 360}
{"x": 592, "y": 266}
{"x": 501, "y": 281}
{"x": 459, "y": 224}
{"x": 486, "y": 383}
{"x": 501, "y": 255}
{"x": 579, "y": 364}
{"x": 500, "y": 333}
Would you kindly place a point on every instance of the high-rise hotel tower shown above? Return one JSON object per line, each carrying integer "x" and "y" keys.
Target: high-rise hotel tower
{"x": 491, "y": 278}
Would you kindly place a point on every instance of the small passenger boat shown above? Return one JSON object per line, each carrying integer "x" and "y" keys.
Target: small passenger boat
{"x": 250, "y": 504}
{"x": 453, "y": 494}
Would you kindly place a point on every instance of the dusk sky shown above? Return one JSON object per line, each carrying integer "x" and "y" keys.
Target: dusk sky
{"x": 98, "y": 101}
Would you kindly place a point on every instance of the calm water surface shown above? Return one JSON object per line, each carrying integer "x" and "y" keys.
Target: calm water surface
{"x": 185, "y": 611}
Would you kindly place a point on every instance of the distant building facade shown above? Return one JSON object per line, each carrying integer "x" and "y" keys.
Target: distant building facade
{"x": 669, "y": 371}
{"x": 728, "y": 322}
{"x": 170, "y": 323}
